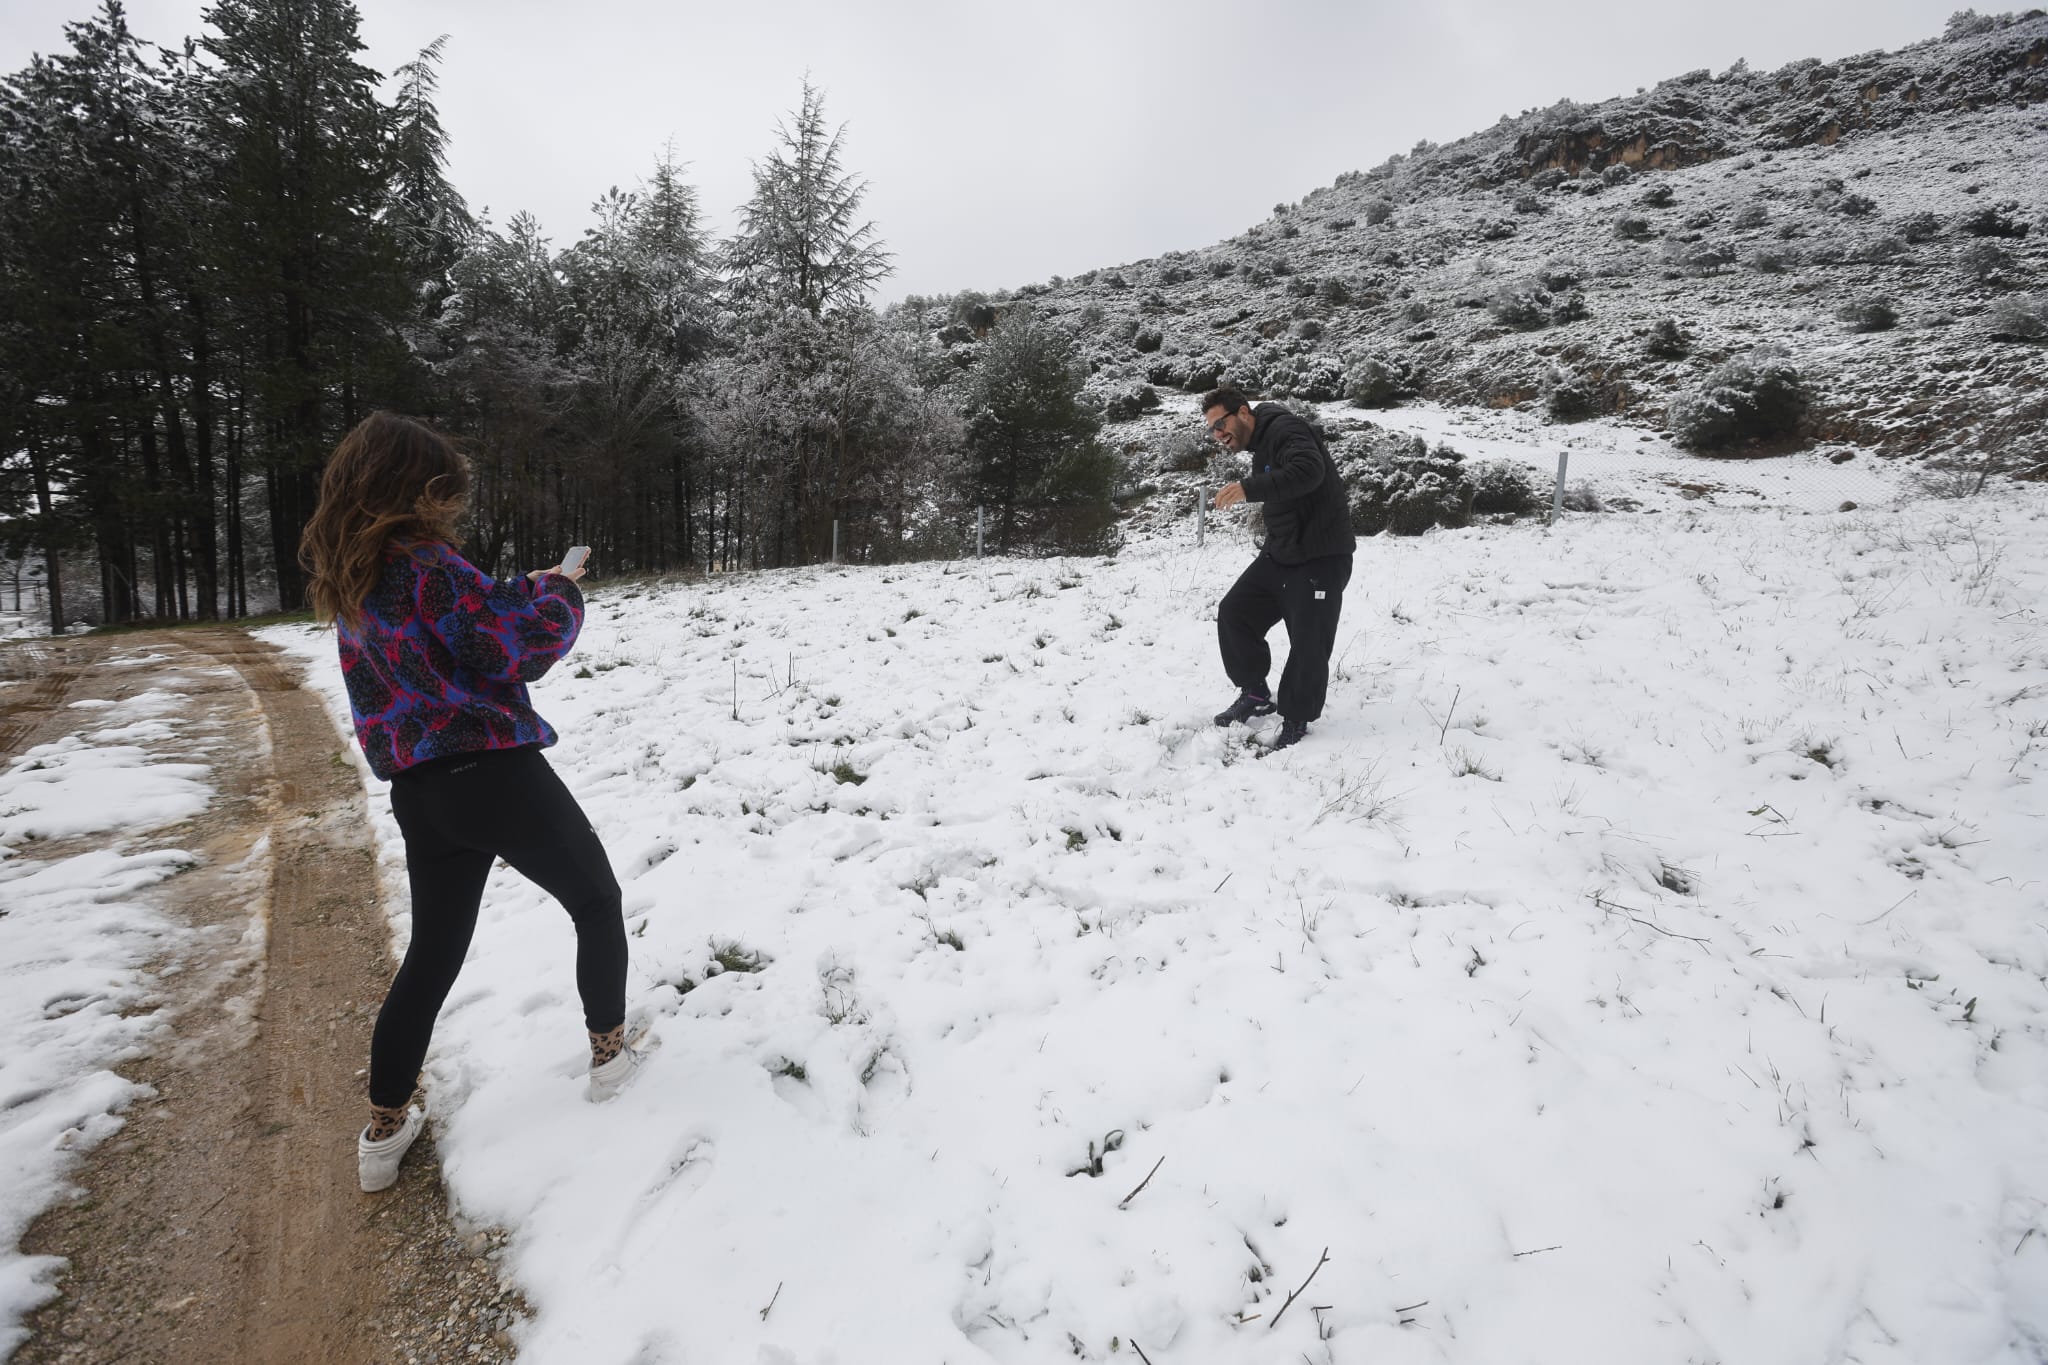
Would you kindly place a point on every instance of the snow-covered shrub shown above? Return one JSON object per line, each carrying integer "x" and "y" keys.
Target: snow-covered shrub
{"x": 1175, "y": 273}
{"x": 1879, "y": 249}
{"x": 1870, "y": 314}
{"x": 1617, "y": 174}
{"x": 2019, "y": 319}
{"x": 1759, "y": 396}
{"x": 1341, "y": 224}
{"x": 1856, "y": 205}
{"x": 1504, "y": 487}
{"x": 1700, "y": 258}
{"x": 1920, "y": 227}
{"x": 1410, "y": 489}
{"x": 1221, "y": 267}
{"x": 1528, "y": 204}
{"x": 1987, "y": 262}
{"x": 1967, "y": 23}
{"x": 1995, "y": 220}
{"x": 1775, "y": 260}
{"x": 1582, "y": 497}
{"x": 1186, "y": 451}
{"x": 1315, "y": 378}
{"x": 1548, "y": 179}
{"x": 1379, "y": 379}
{"x": 1633, "y": 228}
{"x": 1204, "y": 372}
{"x": 1308, "y": 329}
{"x": 1334, "y": 292}
{"x": 1754, "y": 214}
{"x": 1567, "y": 396}
{"x": 1657, "y": 197}
{"x": 1570, "y": 307}
{"x": 1129, "y": 403}
{"x": 1703, "y": 218}
{"x": 1523, "y": 305}
{"x": 1668, "y": 340}
{"x": 973, "y": 310}
{"x": 1244, "y": 372}
{"x": 1378, "y": 211}
{"x": 1148, "y": 339}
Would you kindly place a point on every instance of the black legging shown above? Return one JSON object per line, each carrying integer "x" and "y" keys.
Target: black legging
{"x": 458, "y": 814}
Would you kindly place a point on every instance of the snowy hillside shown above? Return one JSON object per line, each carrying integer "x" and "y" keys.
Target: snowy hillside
{"x": 1880, "y": 218}
{"x": 1644, "y": 960}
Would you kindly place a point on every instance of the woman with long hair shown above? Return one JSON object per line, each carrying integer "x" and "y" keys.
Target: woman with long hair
{"x": 437, "y": 655}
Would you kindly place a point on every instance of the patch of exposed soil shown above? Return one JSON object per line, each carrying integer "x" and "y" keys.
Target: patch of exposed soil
{"x": 224, "y": 1223}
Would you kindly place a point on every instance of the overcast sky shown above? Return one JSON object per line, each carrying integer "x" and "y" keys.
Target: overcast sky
{"x": 1008, "y": 143}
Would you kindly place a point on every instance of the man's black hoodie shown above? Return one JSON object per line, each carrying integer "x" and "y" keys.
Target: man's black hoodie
{"x": 1307, "y": 513}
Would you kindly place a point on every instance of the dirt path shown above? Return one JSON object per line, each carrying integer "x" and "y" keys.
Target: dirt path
{"x": 223, "y": 1223}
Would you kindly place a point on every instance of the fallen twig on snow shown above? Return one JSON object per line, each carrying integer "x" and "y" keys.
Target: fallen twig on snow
{"x": 1615, "y": 908}
{"x": 1126, "y": 1200}
{"x": 1894, "y": 905}
{"x": 1295, "y": 1295}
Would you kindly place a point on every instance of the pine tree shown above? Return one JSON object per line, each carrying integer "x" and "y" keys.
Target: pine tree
{"x": 1031, "y": 436}
{"x": 801, "y": 243}
{"x": 320, "y": 284}
{"x": 674, "y": 262}
{"x": 431, "y": 219}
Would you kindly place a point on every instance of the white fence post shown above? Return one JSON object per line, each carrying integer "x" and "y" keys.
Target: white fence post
{"x": 1557, "y": 493}
{"x": 980, "y": 526}
{"x": 1201, "y": 514}
{"x": 835, "y": 540}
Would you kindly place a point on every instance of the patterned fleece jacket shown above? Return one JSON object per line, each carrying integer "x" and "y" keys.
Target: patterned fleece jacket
{"x": 440, "y": 661}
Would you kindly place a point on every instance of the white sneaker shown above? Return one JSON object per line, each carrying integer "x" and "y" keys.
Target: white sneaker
{"x": 609, "y": 1079}
{"x": 377, "y": 1162}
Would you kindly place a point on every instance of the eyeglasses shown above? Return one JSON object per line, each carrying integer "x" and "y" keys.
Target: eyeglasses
{"x": 1216, "y": 427}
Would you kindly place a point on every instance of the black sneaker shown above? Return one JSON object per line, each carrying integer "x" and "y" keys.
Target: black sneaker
{"x": 1244, "y": 708}
{"x": 1291, "y": 732}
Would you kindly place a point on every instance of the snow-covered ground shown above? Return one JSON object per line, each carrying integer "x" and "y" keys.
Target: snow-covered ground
{"x": 78, "y": 932}
{"x": 1615, "y": 459}
{"x": 1645, "y": 959}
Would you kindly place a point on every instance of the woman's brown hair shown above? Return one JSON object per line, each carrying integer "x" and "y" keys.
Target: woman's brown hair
{"x": 390, "y": 480}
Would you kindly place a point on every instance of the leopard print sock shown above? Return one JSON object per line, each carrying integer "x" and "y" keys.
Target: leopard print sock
{"x": 605, "y": 1046}
{"x": 384, "y": 1122}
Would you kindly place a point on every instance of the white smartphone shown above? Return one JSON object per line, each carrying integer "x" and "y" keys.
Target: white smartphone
{"x": 573, "y": 560}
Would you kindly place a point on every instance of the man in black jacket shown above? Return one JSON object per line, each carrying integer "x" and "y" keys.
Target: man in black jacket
{"x": 1301, "y": 571}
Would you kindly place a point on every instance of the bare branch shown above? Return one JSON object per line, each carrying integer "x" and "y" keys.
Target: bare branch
{"x": 1126, "y": 1200}
{"x": 1297, "y": 1292}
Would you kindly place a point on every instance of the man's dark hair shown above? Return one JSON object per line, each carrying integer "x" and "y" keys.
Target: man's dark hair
{"x": 1230, "y": 400}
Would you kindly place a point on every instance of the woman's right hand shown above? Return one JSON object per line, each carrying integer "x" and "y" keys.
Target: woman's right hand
{"x": 574, "y": 577}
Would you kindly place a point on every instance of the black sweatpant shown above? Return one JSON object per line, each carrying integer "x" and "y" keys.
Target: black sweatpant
{"x": 1308, "y": 597}
{"x": 458, "y": 815}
